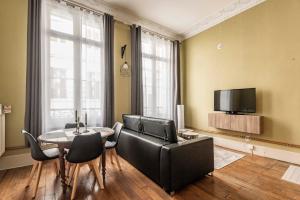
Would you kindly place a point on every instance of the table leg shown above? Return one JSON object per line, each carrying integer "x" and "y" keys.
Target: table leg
{"x": 103, "y": 165}
{"x": 62, "y": 168}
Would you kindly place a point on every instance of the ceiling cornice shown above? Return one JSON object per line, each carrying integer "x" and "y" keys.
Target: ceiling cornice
{"x": 229, "y": 11}
{"x": 126, "y": 17}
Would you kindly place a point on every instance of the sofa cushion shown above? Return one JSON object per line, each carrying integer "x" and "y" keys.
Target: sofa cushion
{"x": 159, "y": 128}
{"x": 132, "y": 122}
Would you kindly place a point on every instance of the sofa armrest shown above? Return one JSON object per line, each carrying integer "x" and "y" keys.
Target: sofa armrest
{"x": 183, "y": 163}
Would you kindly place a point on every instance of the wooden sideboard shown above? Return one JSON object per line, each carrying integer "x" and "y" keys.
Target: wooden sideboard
{"x": 241, "y": 123}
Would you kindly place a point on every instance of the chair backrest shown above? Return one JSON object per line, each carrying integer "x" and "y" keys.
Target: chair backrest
{"x": 73, "y": 125}
{"x": 36, "y": 151}
{"x": 85, "y": 148}
{"x": 117, "y": 129}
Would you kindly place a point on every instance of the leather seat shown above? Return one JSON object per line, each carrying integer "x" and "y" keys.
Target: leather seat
{"x": 51, "y": 153}
{"x": 151, "y": 145}
{"x": 110, "y": 144}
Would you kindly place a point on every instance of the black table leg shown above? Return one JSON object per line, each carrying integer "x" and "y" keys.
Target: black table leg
{"x": 104, "y": 165}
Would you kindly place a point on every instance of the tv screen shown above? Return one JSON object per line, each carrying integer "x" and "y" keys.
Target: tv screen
{"x": 235, "y": 100}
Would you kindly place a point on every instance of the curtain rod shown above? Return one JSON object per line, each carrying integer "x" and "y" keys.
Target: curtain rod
{"x": 158, "y": 34}
{"x": 81, "y": 6}
{"x": 98, "y": 12}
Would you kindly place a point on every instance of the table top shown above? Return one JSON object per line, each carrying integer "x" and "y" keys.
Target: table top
{"x": 66, "y": 136}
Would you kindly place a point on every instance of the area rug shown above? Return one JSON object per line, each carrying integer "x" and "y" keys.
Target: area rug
{"x": 224, "y": 157}
{"x": 292, "y": 174}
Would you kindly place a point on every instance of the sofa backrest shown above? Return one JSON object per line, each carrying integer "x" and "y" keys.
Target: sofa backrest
{"x": 132, "y": 122}
{"x": 159, "y": 128}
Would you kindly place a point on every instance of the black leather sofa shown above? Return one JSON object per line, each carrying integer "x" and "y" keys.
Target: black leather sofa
{"x": 151, "y": 146}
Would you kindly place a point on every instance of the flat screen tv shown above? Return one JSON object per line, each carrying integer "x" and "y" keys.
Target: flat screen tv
{"x": 235, "y": 101}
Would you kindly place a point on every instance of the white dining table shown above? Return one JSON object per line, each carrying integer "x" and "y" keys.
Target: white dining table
{"x": 63, "y": 138}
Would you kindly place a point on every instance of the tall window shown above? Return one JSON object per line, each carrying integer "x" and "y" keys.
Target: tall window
{"x": 157, "y": 76}
{"x": 73, "y": 65}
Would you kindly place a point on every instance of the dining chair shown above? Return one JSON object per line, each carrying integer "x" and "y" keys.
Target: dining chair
{"x": 85, "y": 149}
{"x": 112, "y": 143}
{"x": 68, "y": 166}
{"x": 39, "y": 156}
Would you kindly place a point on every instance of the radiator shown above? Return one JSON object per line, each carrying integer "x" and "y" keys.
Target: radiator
{"x": 2, "y": 134}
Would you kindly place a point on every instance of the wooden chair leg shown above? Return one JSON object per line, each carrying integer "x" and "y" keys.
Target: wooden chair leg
{"x": 99, "y": 163}
{"x": 38, "y": 178}
{"x": 90, "y": 167}
{"x": 77, "y": 170}
{"x": 97, "y": 174}
{"x": 117, "y": 159}
{"x": 71, "y": 174}
{"x": 111, "y": 156}
{"x": 56, "y": 167}
{"x": 68, "y": 165}
{"x": 35, "y": 164}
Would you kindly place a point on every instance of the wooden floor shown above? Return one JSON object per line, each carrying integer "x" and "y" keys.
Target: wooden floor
{"x": 252, "y": 178}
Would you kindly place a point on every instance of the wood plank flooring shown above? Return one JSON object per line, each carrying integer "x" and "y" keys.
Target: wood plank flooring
{"x": 251, "y": 178}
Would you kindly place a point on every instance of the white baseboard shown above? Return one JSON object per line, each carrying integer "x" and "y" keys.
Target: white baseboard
{"x": 21, "y": 160}
{"x": 269, "y": 152}
{"x": 15, "y": 161}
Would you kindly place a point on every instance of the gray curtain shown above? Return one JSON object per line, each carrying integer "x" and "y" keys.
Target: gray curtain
{"x": 109, "y": 70}
{"x": 136, "y": 73}
{"x": 33, "y": 105}
{"x": 176, "y": 75}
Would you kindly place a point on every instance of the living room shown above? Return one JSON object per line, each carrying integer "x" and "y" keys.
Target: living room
{"x": 111, "y": 99}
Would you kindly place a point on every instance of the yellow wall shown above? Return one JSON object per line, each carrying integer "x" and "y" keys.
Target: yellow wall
{"x": 13, "y": 44}
{"x": 261, "y": 48}
{"x": 13, "y": 37}
{"x": 122, "y": 83}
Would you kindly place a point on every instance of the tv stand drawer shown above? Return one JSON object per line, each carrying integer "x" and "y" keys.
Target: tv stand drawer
{"x": 241, "y": 123}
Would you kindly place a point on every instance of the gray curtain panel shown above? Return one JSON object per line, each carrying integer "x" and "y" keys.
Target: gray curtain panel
{"x": 176, "y": 77}
{"x": 136, "y": 73}
{"x": 33, "y": 105}
{"x": 109, "y": 70}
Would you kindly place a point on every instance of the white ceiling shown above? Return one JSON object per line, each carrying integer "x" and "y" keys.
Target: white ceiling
{"x": 176, "y": 18}
{"x": 177, "y": 15}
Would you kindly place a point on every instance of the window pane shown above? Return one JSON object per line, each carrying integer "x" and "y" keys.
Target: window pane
{"x": 147, "y": 46}
{"x": 162, "y": 89}
{"x": 61, "y": 21}
{"x": 91, "y": 77}
{"x": 148, "y": 101}
{"x": 92, "y": 82}
{"x": 162, "y": 48}
{"x": 61, "y": 76}
{"x": 73, "y": 67}
{"x": 91, "y": 27}
{"x": 157, "y": 84}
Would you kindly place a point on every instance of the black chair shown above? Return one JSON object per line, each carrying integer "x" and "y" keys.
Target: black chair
{"x": 68, "y": 167}
{"x": 112, "y": 142}
{"x": 85, "y": 149}
{"x": 39, "y": 155}
{"x": 73, "y": 125}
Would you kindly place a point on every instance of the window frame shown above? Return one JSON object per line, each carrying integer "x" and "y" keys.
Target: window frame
{"x": 78, "y": 41}
{"x": 154, "y": 107}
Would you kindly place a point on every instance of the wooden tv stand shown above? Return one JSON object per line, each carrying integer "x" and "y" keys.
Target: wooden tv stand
{"x": 241, "y": 123}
